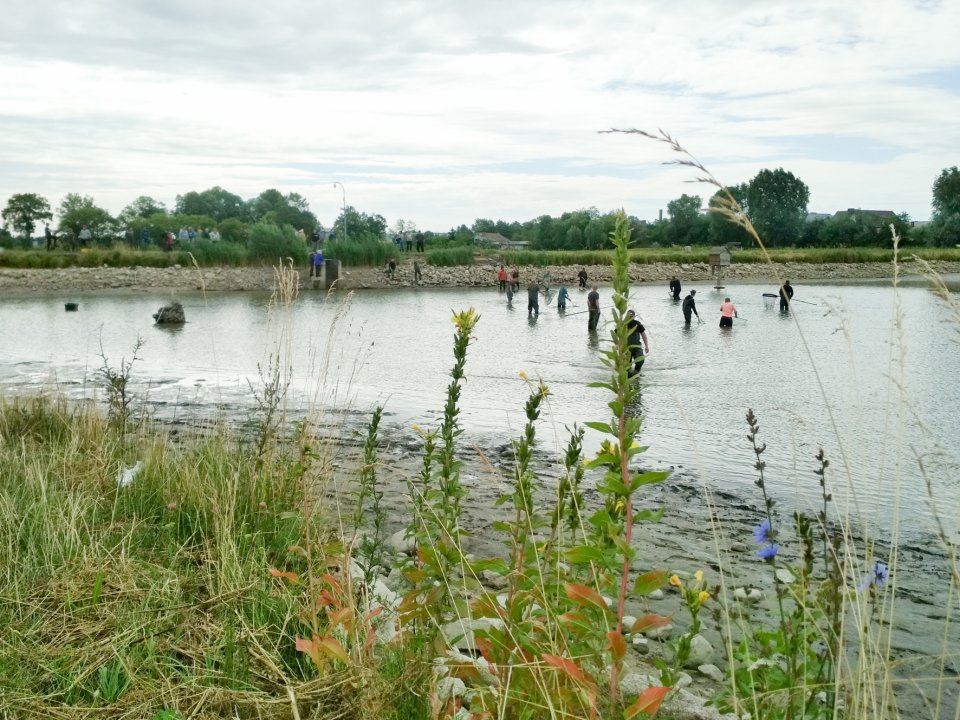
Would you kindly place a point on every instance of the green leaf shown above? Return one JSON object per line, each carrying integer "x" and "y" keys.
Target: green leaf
{"x": 601, "y": 427}
{"x": 648, "y": 515}
{"x": 604, "y": 385}
{"x": 603, "y": 459}
{"x": 583, "y": 554}
{"x": 648, "y": 478}
{"x": 650, "y": 581}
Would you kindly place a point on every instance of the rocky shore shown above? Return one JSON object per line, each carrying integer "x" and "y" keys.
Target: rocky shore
{"x": 29, "y": 281}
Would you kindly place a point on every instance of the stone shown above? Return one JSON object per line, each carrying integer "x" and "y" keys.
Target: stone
{"x": 170, "y": 314}
{"x": 754, "y": 595}
{"x": 459, "y": 633}
{"x": 785, "y": 576}
{"x": 659, "y": 633}
{"x": 712, "y": 672}
{"x": 628, "y": 623}
{"x": 449, "y": 688}
{"x": 655, "y": 595}
{"x": 701, "y": 652}
{"x": 401, "y": 544}
{"x": 493, "y": 580}
{"x": 395, "y": 580}
{"x": 739, "y": 546}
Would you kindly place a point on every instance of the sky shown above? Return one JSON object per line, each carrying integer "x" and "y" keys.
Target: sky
{"x": 443, "y": 112}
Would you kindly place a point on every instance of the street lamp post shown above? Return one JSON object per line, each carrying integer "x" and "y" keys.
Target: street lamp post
{"x": 344, "y": 190}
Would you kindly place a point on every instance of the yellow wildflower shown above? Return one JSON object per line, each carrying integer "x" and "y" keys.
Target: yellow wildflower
{"x": 523, "y": 375}
{"x": 675, "y": 580}
{"x": 698, "y": 576}
{"x": 703, "y": 597}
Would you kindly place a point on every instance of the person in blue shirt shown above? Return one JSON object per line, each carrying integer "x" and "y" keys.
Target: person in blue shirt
{"x": 562, "y": 296}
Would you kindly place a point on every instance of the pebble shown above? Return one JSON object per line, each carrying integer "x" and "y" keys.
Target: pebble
{"x": 712, "y": 672}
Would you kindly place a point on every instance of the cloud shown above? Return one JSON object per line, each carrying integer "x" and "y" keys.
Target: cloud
{"x": 444, "y": 112}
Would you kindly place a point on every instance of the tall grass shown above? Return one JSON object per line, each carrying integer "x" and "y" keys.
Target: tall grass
{"x": 362, "y": 253}
{"x": 450, "y": 257}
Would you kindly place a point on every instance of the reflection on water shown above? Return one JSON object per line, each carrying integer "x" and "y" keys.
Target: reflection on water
{"x": 828, "y": 374}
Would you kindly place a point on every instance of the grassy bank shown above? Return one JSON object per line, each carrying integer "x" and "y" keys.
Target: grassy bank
{"x": 206, "y": 254}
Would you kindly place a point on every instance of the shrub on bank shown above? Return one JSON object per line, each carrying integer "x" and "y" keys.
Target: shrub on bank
{"x": 450, "y": 257}
{"x": 360, "y": 253}
{"x": 272, "y": 243}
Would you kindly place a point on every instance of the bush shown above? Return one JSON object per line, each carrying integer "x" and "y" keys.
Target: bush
{"x": 449, "y": 257}
{"x": 371, "y": 253}
{"x": 207, "y": 252}
{"x": 272, "y": 243}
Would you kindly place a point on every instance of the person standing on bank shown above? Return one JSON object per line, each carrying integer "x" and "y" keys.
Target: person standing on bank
{"x": 636, "y": 333}
{"x": 562, "y": 296}
{"x": 593, "y": 305}
{"x": 728, "y": 311}
{"x": 786, "y": 295}
{"x": 675, "y": 288}
{"x": 690, "y": 308}
{"x": 533, "y": 300}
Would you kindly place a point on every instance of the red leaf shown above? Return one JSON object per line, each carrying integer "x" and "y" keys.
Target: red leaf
{"x": 291, "y": 576}
{"x": 618, "y": 646}
{"x": 648, "y": 702}
{"x": 649, "y": 622}
{"x": 583, "y": 595}
{"x": 570, "y": 668}
{"x": 332, "y": 648}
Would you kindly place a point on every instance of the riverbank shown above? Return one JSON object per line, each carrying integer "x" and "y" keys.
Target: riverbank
{"x": 215, "y": 279}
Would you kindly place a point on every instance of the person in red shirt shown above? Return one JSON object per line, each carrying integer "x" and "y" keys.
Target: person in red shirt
{"x": 728, "y": 311}
{"x": 502, "y": 278}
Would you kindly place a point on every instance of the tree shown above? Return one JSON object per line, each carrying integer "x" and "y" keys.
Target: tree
{"x": 946, "y": 192}
{"x": 273, "y": 206}
{"x": 143, "y": 207}
{"x": 359, "y": 227}
{"x": 78, "y": 210}
{"x": 24, "y": 211}
{"x": 777, "y": 202}
{"x": 723, "y": 231}
{"x": 687, "y": 225}
{"x": 215, "y": 202}
{"x": 483, "y": 225}
{"x": 945, "y": 228}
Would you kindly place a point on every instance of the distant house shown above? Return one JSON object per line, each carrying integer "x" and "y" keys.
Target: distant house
{"x": 811, "y": 216}
{"x": 878, "y": 218}
{"x": 499, "y": 241}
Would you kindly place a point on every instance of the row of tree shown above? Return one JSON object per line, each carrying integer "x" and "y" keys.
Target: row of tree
{"x": 774, "y": 200}
{"x": 213, "y": 208}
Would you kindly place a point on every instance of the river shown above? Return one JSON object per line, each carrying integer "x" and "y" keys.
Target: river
{"x": 838, "y": 372}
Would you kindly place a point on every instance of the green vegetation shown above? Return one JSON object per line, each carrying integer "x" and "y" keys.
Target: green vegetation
{"x": 370, "y": 253}
{"x": 211, "y": 576}
{"x": 449, "y": 257}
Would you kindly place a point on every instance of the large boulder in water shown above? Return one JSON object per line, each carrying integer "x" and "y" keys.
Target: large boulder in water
{"x": 171, "y": 314}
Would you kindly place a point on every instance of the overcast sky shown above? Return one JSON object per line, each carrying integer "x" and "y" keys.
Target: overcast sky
{"x": 443, "y": 112}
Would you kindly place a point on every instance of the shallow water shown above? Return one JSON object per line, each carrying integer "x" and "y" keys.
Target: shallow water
{"x": 829, "y": 374}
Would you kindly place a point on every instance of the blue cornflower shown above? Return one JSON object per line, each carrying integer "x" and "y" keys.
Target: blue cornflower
{"x": 768, "y": 552}
{"x": 762, "y": 533}
{"x": 877, "y": 576}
